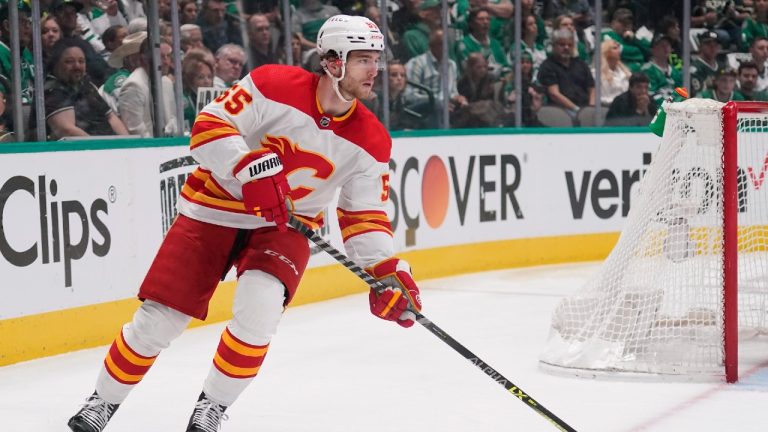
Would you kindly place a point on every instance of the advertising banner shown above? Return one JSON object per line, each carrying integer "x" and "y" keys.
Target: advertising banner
{"x": 82, "y": 227}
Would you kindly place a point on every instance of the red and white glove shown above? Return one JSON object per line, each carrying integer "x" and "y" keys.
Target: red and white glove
{"x": 264, "y": 186}
{"x": 401, "y": 298}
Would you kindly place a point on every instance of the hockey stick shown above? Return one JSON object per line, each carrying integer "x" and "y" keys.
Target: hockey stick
{"x": 433, "y": 328}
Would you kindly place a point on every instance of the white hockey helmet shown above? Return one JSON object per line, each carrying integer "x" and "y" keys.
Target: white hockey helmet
{"x": 344, "y": 33}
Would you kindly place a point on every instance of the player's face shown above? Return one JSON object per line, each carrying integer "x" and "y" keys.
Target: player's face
{"x": 361, "y": 70}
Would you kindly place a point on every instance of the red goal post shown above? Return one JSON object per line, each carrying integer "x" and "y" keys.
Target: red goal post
{"x": 731, "y": 112}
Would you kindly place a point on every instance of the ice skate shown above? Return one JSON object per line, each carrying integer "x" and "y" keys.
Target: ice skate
{"x": 93, "y": 416}
{"x": 207, "y": 415}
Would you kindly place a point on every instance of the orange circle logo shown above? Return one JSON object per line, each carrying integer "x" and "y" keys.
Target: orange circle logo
{"x": 434, "y": 192}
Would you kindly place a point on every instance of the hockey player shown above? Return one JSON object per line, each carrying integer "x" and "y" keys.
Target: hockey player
{"x": 279, "y": 132}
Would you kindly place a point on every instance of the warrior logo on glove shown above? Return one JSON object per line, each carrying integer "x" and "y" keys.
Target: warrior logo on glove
{"x": 264, "y": 186}
{"x": 401, "y": 298}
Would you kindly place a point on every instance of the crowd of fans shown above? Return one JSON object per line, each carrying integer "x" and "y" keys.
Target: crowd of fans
{"x": 97, "y": 59}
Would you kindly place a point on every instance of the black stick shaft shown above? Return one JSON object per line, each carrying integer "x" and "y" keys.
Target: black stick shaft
{"x": 434, "y": 329}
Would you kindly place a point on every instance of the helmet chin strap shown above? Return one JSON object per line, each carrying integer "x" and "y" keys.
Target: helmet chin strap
{"x": 335, "y": 81}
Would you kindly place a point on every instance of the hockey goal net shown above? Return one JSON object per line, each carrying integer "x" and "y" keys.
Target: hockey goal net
{"x": 689, "y": 275}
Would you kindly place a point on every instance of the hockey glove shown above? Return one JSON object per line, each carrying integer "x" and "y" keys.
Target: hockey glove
{"x": 401, "y": 298}
{"x": 264, "y": 186}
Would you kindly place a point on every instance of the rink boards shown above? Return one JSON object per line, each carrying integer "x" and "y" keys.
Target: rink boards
{"x": 80, "y": 221}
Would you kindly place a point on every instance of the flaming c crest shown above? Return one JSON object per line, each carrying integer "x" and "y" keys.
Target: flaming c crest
{"x": 295, "y": 159}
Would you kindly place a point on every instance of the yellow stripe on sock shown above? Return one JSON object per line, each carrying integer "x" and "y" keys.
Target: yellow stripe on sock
{"x": 119, "y": 372}
{"x": 241, "y": 349}
{"x": 130, "y": 356}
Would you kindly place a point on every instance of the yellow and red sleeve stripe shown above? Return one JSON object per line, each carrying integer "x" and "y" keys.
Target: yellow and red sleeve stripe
{"x": 201, "y": 188}
{"x": 314, "y": 223}
{"x": 237, "y": 359}
{"x": 209, "y": 128}
{"x": 361, "y": 222}
{"x": 124, "y": 364}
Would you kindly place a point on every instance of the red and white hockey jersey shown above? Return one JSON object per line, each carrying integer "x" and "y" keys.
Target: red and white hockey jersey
{"x": 276, "y": 107}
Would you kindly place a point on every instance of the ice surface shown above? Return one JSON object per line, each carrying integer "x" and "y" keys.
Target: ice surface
{"x": 335, "y": 368}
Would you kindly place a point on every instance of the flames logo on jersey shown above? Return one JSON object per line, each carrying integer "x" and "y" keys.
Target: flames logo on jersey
{"x": 295, "y": 159}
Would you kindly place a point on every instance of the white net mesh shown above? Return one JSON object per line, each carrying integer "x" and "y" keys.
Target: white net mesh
{"x": 655, "y": 306}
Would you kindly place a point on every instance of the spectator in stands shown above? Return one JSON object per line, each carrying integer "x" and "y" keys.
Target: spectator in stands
{"x": 187, "y": 11}
{"x": 528, "y": 7}
{"x": 704, "y": 67}
{"x": 633, "y": 50}
{"x": 113, "y": 38}
{"x": 501, "y": 16}
{"x": 110, "y": 16}
{"x": 218, "y": 29}
{"x": 663, "y": 77}
{"x": 580, "y": 49}
{"x": 706, "y": 16}
{"x": 133, "y": 9}
{"x": 195, "y": 73}
{"x": 125, "y": 59}
{"x": 669, "y": 26}
{"x": 166, "y": 59}
{"x": 633, "y": 107}
{"x": 190, "y": 37}
{"x": 66, "y": 12}
{"x": 747, "y": 81}
{"x": 416, "y": 40}
{"x": 480, "y": 90}
{"x": 614, "y": 74}
{"x": 85, "y": 15}
{"x": 723, "y": 87}
{"x": 27, "y": 63}
{"x": 731, "y": 19}
{"x": 579, "y": 10}
{"x": 260, "y": 41}
{"x": 271, "y": 9}
{"x": 51, "y": 34}
{"x": 407, "y": 16}
{"x": 536, "y": 50}
{"x": 136, "y": 100}
{"x": 568, "y": 80}
{"x": 297, "y": 51}
{"x": 202, "y": 54}
{"x": 424, "y": 70}
{"x": 478, "y": 41}
{"x": 532, "y": 94}
{"x": 308, "y": 19}
{"x": 228, "y": 67}
{"x": 137, "y": 25}
{"x": 755, "y": 25}
{"x": 403, "y": 114}
{"x": 73, "y": 106}
{"x": 759, "y": 54}
{"x": 164, "y": 10}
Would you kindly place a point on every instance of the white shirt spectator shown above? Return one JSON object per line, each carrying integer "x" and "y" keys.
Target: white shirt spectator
{"x": 135, "y": 105}
{"x": 616, "y": 86}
